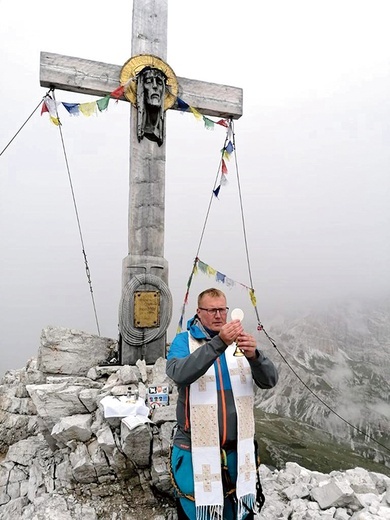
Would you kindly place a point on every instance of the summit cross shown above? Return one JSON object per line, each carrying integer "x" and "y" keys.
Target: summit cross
{"x": 145, "y": 309}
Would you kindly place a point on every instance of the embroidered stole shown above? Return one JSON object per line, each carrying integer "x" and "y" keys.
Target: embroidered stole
{"x": 205, "y": 444}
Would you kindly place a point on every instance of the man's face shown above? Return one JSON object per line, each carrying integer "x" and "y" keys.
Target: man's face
{"x": 212, "y": 321}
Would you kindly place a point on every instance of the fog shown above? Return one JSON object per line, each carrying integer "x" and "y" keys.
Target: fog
{"x": 312, "y": 159}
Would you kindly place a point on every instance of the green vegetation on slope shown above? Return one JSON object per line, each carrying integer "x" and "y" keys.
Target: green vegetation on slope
{"x": 284, "y": 440}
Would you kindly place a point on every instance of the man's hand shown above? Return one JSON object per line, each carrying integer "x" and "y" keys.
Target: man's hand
{"x": 231, "y": 331}
{"x": 247, "y": 344}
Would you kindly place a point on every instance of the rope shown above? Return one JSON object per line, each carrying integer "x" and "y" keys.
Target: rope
{"x": 178, "y": 491}
{"x": 242, "y": 208}
{"x": 180, "y": 325}
{"x": 212, "y": 192}
{"x": 87, "y": 271}
{"x": 73, "y": 196}
{"x": 318, "y": 397}
{"x": 139, "y": 336}
{"x": 260, "y": 326}
{"x": 24, "y": 124}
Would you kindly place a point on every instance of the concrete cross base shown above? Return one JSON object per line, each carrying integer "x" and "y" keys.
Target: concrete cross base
{"x": 145, "y": 311}
{"x": 150, "y": 352}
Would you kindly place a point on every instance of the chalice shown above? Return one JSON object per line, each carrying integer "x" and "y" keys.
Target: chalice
{"x": 237, "y": 314}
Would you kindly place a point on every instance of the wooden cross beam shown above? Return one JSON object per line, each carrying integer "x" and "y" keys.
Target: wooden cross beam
{"x": 100, "y": 79}
{"x": 145, "y": 271}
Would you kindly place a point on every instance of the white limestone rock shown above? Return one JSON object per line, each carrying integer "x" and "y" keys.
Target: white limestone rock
{"x": 54, "y": 401}
{"x": 141, "y": 365}
{"x": 341, "y": 514}
{"x": 88, "y": 396}
{"x": 136, "y": 444}
{"x": 299, "y": 490}
{"x": 98, "y": 459}
{"x": 99, "y": 372}
{"x": 70, "y": 351}
{"x": 83, "y": 468}
{"x": 14, "y": 509}
{"x": 129, "y": 374}
{"x": 162, "y": 414}
{"x": 334, "y": 493}
{"x": 24, "y": 451}
{"x": 159, "y": 375}
{"x": 74, "y": 427}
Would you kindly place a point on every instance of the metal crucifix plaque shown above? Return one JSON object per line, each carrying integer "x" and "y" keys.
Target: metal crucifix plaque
{"x": 152, "y": 87}
{"x": 146, "y": 309}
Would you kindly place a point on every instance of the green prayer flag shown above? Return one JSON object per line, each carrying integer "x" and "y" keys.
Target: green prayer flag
{"x": 103, "y": 103}
{"x": 208, "y": 123}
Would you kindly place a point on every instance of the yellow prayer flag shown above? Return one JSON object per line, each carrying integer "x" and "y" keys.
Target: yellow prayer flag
{"x": 88, "y": 109}
{"x": 55, "y": 120}
{"x": 197, "y": 114}
{"x": 211, "y": 271}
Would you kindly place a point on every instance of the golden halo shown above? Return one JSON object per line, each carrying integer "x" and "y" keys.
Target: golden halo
{"x": 134, "y": 65}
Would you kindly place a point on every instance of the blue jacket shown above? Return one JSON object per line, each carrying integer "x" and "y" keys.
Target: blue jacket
{"x": 185, "y": 368}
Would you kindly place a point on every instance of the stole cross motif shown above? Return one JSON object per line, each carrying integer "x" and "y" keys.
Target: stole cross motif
{"x": 202, "y": 382}
{"x": 241, "y": 371}
{"x": 207, "y": 477}
{"x": 247, "y": 467}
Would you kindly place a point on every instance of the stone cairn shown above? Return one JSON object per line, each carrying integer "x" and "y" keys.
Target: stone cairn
{"x": 61, "y": 459}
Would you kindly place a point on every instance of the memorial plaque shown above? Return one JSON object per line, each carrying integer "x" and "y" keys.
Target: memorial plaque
{"x": 146, "y": 309}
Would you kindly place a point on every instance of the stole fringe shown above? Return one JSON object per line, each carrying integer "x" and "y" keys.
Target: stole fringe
{"x": 216, "y": 512}
{"x": 209, "y": 512}
{"x": 249, "y": 501}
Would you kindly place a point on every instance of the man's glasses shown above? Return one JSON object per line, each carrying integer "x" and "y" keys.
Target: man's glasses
{"x": 213, "y": 312}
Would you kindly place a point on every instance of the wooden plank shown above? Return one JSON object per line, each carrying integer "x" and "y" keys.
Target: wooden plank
{"x": 149, "y": 28}
{"x": 99, "y": 79}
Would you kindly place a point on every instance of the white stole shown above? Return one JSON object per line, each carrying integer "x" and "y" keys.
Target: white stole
{"x": 205, "y": 444}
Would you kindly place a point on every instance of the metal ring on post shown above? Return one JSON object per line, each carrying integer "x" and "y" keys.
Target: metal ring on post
{"x": 132, "y": 335}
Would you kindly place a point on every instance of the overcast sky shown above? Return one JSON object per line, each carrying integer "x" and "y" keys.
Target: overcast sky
{"x": 313, "y": 155}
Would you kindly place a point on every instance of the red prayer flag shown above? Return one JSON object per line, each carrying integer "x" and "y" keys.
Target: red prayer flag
{"x": 224, "y": 169}
{"x": 223, "y": 122}
{"x": 44, "y": 108}
{"x": 118, "y": 92}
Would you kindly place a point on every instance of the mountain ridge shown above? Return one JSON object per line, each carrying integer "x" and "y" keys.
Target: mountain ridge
{"x": 335, "y": 373}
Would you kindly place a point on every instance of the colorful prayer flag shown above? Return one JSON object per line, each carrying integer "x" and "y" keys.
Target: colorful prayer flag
{"x": 223, "y": 122}
{"x": 102, "y": 103}
{"x": 118, "y": 92}
{"x": 182, "y": 105}
{"x": 197, "y": 114}
{"x": 208, "y": 123}
{"x": 72, "y": 108}
{"x": 220, "y": 277}
{"x": 88, "y": 109}
{"x": 224, "y": 168}
{"x": 229, "y": 148}
{"x": 51, "y": 107}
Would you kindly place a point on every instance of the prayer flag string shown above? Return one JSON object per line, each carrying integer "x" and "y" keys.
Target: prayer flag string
{"x": 200, "y": 266}
{"x": 226, "y": 152}
{"x": 91, "y": 108}
{"x": 94, "y": 107}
